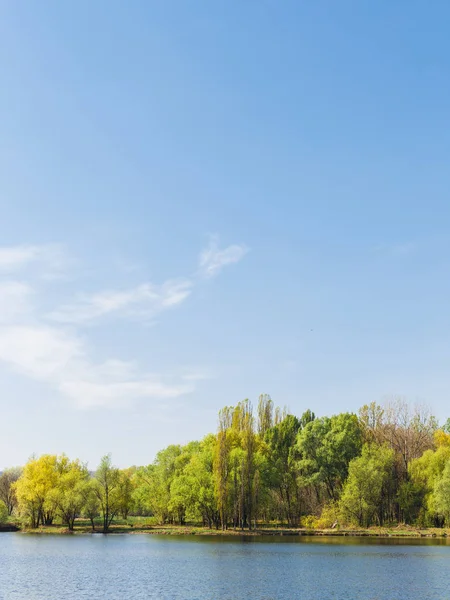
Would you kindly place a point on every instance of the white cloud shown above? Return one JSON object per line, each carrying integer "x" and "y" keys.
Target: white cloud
{"x": 40, "y": 352}
{"x": 196, "y": 374}
{"x": 14, "y": 300}
{"x": 57, "y": 355}
{"x": 93, "y": 394}
{"x": 48, "y": 257}
{"x": 145, "y": 300}
{"x": 15, "y": 257}
{"x": 59, "y": 358}
{"x": 212, "y": 259}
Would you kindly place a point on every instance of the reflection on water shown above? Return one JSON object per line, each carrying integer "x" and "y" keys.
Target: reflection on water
{"x": 114, "y": 567}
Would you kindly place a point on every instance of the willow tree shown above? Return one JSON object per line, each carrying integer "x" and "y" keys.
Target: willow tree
{"x": 364, "y": 493}
{"x": 69, "y": 494}
{"x": 106, "y": 488}
{"x": 34, "y": 489}
{"x": 441, "y": 494}
{"x": 154, "y": 482}
{"x": 192, "y": 489}
{"x": 425, "y": 473}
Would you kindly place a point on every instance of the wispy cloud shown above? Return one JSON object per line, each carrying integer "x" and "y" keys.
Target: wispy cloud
{"x": 40, "y": 352}
{"x": 60, "y": 358}
{"x": 48, "y": 259}
{"x": 14, "y": 300}
{"x": 145, "y": 300}
{"x": 50, "y": 348}
{"x": 212, "y": 259}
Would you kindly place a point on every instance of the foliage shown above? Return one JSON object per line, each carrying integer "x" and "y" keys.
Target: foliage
{"x": 363, "y": 495}
{"x": 34, "y": 487}
{"x": 106, "y": 487}
{"x": 91, "y": 505}
{"x": 69, "y": 494}
{"x": 283, "y": 468}
{"x": 410, "y": 498}
{"x": 3, "y": 513}
{"x": 329, "y": 516}
{"x": 125, "y": 492}
{"x": 442, "y": 495}
{"x": 426, "y": 472}
{"x": 389, "y": 464}
{"x": 326, "y": 447}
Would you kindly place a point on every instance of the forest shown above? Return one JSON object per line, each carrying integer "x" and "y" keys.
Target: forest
{"x": 388, "y": 464}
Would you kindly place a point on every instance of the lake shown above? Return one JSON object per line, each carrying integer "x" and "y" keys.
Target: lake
{"x": 55, "y": 567}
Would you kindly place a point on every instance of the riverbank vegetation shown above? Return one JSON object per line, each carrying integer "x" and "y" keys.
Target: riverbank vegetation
{"x": 385, "y": 469}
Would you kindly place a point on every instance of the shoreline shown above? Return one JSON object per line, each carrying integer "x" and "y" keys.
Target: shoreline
{"x": 174, "y": 530}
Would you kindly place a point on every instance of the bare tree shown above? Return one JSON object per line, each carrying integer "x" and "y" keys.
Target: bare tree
{"x": 265, "y": 414}
{"x": 7, "y": 490}
{"x": 408, "y": 430}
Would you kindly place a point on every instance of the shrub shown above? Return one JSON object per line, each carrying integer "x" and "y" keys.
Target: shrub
{"x": 329, "y": 516}
{"x": 309, "y": 522}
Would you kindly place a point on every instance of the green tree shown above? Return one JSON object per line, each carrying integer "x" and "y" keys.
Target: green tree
{"x": 125, "y": 492}
{"x": 3, "y": 513}
{"x": 425, "y": 473}
{"x": 446, "y": 426}
{"x": 442, "y": 495}
{"x": 192, "y": 488}
{"x": 283, "y": 467}
{"x": 91, "y": 504}
{"x": 326, "y": 446}
{"x": 410, "y": 499}
{"x": 362, "y": 497}
{"x": 106, "y": 487}
{"x": 307, "y": 417}
{"x": 153, "y": 485}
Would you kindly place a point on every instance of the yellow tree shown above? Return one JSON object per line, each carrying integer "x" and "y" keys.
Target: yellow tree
{"x": 33, "y": 490}
{"x": 71, "y": 490}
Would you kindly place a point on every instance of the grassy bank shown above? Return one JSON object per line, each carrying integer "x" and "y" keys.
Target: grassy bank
{"x": 142, "y": 526}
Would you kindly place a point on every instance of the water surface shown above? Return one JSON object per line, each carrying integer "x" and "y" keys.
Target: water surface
{"x": 117, "y": 567}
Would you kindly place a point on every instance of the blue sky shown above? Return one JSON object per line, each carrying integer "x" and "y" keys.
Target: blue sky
{"x": 205, "y": 201}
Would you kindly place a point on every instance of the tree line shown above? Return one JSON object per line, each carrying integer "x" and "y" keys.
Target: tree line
{"x": 385, "y": 465}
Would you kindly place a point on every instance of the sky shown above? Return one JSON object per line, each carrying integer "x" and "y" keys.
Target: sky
{"x": 204, "y": 201}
